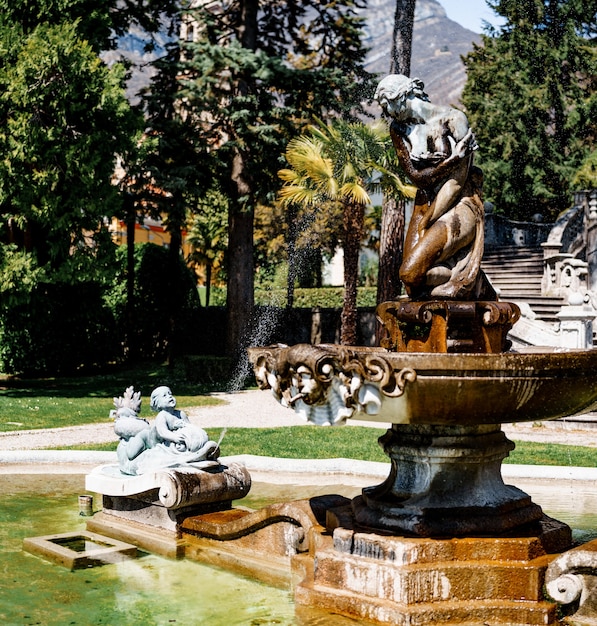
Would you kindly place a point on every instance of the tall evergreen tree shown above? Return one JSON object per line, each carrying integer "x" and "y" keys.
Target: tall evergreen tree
{"x": 65, "y": 118}
{"x": 257, "y": 71}
{"x": 531, "y": 100}
{"x": 99, "y": 22}
{"x": 175, "y": 172}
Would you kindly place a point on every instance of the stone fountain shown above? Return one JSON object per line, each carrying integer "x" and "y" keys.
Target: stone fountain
{"x": 442, "y": 540}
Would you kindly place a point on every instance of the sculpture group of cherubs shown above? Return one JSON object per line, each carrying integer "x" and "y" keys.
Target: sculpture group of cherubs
{"x": 172, "y": 440}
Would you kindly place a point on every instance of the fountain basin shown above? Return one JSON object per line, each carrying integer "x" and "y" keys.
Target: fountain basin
{"x": 428, "y": 388}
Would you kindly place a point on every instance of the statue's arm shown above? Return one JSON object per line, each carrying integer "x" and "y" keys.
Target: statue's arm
{"x": 163, "y": 430}
{"x": 428, "y": 176}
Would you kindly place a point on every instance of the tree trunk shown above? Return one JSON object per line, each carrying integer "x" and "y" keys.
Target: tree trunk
{"x": 390, "y": 249}
{"x": 175, "y": 224}
{"x": 207, "y": 284}
{"x": 393, "y": 218}
{"x": 240, "y": 301}
{"x": 240, "y": 296}
{"x": 354, "y": 214}
{"x": 402, "y": 42}
{"x": 291, "y": 217}
{"x": 130, "y": 340}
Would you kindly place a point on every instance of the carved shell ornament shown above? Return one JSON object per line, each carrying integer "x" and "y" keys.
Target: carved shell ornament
{"x": 327, "y": 385}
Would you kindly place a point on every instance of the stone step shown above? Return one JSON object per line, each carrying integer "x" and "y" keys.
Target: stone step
{"x": 521, "y": 612}
{"x": 513, "y": 251}
{"x": 533, "y": 270}
{"x": 427, "y": 582}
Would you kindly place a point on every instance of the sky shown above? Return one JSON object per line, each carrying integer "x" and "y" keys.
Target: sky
{"x": 469, "y": 13}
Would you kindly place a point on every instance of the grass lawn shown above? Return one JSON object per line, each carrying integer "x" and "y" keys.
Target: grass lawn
{"x": 360, "y": 442}
{"x": 50, "y": 403}
{"x": 55, "y": 402}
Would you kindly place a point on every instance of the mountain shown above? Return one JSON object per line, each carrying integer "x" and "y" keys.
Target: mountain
{"x": 438, "y": 44}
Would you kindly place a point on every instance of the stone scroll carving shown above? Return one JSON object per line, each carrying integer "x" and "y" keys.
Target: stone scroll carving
{"x": 326, "y": 385}
{"x": 571, "y": 580}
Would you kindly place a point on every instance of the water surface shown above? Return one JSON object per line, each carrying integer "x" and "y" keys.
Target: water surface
{"x": 153, "y": 590}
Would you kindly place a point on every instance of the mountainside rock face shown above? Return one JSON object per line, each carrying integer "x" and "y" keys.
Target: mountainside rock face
{"x": 438, "y": 44}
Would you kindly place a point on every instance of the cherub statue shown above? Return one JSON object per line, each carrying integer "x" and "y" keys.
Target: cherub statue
{"x": 444, "y": 243}
{"x": 171, "y": 441}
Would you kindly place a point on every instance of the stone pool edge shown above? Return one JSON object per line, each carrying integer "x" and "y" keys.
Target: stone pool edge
{"x": 80, "y": 461}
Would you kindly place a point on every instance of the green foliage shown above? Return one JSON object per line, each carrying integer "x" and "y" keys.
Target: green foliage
{"x": 341, "y": 164}
{"x": 65, "y": 117}
{"x": 257, "y": 71}
{"x": 208, "y": 238}
{"x": 531, "y": 101}
{"x": 100, "y": 22}
{"x": 323, "y": 297}
{"x": 586, "y": 176}
{"x": 19, "y": 275}
{"x": 57, "y": 328}
{"x": 304, "y": 442}
{"x": 359, "y": 442}
{"x": 534, "y": 453}
{"x": 153, "y": 302}
{"x": 34, "y": 404}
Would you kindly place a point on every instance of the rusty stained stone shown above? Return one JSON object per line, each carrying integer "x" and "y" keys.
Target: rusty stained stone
{"x": 470, "y": 613}
{"x": 553, "y": 537}
{"x": 440, "y": 582}
{"x": 418, "y": 581}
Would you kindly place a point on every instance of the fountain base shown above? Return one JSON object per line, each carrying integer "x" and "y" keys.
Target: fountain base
{"x": 148, "y": 510}
{"x": 445, "y": 481}
{"x": 405, "y": 581}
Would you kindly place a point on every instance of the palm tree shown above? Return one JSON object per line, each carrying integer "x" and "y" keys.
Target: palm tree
{"x": 342, "y": 162}
{"x": 208, "y": 235}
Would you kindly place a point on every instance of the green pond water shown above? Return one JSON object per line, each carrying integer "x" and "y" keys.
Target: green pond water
{"x": 150, "y": 590}
{"x": 153, "y": 590}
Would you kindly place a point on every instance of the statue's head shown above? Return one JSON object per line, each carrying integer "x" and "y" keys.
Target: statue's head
{"x": 161, "y": 398}
{"x": 394, "y": 90}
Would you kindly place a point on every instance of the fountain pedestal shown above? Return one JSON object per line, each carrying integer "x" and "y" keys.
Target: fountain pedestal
{"x": 404, "y": 581}
{"x": 442, "y": 540}
{"x": 445, "y": 481}
{"x": 148, "y": 510}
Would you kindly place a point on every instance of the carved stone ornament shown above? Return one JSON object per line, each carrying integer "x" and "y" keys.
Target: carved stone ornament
{"x": 327, "y": 385}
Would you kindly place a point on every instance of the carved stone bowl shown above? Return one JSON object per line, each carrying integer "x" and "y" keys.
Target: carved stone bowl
{"x": 445, "y": 442}
{"x": 422, "y": 388}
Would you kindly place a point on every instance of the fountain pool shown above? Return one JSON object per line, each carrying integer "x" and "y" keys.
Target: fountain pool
{"x": 35, "y": 591}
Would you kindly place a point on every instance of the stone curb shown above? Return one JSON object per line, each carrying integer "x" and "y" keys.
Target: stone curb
{"x": 349, "y": 467}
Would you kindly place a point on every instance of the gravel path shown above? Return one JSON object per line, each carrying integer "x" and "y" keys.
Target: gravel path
{"x": 258, "y": 409}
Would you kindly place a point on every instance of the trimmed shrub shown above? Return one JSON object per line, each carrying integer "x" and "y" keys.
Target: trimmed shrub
{"x": 160, "y": 315}
{"x": 58, "y": 328}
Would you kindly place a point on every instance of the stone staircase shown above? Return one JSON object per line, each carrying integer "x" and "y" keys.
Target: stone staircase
{"x": 516, "y": 272}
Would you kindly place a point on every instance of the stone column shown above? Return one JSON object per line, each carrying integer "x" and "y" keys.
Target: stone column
{"x": 576, "y": 323}
{"x": 445, "y": 481}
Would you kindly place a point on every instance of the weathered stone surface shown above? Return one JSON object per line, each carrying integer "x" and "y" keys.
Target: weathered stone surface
{"x": 571, "y": 580}
{"x": 414, "y": 581}
{"x": 262, "y": 543}
{"x": 148, "y": 510}
{"x": 174, "y": 488}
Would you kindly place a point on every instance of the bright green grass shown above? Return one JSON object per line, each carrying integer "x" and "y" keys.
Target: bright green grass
{"x": 359, "y": 442}
{"x": 52, "y": 403}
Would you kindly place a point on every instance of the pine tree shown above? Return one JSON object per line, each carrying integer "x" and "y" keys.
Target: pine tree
{"x": 256, "y": 72}
{"x": 531, "y": 101}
